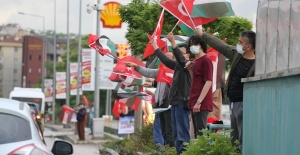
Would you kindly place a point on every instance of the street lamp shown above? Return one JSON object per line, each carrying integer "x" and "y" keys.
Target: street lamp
{"x": 43, "y": 54}
{"x": 97, "y": 7}
{"x": 79, "y": 58}
{"x": 54, "y": 66}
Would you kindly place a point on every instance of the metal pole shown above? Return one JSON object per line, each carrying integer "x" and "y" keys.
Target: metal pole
{"x": 97, "y": 80}
{"x": 54, "y": 66}
{"x": 68, "y": 59}
{"x": 79, "y": 58}
{"x": 43, "y": 56}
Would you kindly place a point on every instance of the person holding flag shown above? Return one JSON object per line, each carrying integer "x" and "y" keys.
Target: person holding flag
{"x": 243, "y": 66}
{"x": 161, "y": 99}
{"x": 179, "y": 92}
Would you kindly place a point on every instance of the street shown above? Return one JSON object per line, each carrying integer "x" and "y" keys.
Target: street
{"x": 78, "y": 149}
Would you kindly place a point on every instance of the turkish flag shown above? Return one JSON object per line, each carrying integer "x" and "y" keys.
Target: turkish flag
{"x": 164, "y": 74}
{"x": 178, "y": 10}
{"x": 156, "y": 35}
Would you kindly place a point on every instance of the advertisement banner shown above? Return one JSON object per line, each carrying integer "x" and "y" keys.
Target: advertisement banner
{"x": 48, "y": 90}
{"x": 105, "y": 72}
{"x": 87, "y": 66}
{"x": 73, "y": 79}
{"x": 126, "y": 125}
{"x": 60, "y": 85}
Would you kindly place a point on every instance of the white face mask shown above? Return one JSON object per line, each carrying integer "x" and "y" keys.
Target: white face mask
{"x": 195, "y": 49}
{"x": 239, "y": 48}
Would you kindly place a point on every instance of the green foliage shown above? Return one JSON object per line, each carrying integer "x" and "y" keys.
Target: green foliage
{"x": 140, "y": 141}
{"x": 142, "y": 19}
{"x": 211, "y": 144}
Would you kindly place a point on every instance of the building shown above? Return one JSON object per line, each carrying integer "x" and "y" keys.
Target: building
{"x": 32, "y": 60}
{"x": 10, "y": 64}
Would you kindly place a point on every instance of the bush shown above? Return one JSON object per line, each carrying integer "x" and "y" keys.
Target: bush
{"x": 140, "y": 141}
{"x": 211, "y": 144}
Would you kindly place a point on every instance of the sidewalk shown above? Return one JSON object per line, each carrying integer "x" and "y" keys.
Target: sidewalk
{"x": 68, "y": 134}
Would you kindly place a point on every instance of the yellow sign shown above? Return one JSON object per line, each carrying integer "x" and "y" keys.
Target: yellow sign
{"x": 34, "y": 47}
{"x": 123, "y": 50}
{"x": 110, "y": 16}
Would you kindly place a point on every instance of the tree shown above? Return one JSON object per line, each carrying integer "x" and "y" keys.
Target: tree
{"x": 229, "y": 27}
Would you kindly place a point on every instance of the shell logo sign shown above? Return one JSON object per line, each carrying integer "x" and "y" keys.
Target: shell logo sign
{"x": 110, "y": 16}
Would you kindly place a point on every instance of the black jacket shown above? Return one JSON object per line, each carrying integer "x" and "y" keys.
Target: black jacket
{"x": 177, "y": 96}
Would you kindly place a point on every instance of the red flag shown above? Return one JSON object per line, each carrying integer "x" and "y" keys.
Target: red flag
{"x": 156, "y": 34}
{"x": 121, "y": 68}
{"x": 177, "y": 9}
{"x": 85, "y": 100}
{"x": 164, "y": 74}
{"x": 115, "y": 109}
{"x": 92, "y": 40}
{"x": 116, "y": 77}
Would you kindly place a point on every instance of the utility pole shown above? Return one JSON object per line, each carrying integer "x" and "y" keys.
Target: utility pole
{"x": 79, "y": 58}
{"x": 68, "y": 59}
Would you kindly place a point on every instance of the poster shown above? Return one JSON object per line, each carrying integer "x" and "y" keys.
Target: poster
{"x": 126, "y": 125}
{"x": 87, "y": 72}
{"x": 60, "y": 85}
{"x": 73, "y": 79}
{"x": 48, "y": 89}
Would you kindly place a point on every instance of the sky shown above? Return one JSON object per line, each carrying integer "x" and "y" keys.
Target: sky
{"x": 9, "y": 14}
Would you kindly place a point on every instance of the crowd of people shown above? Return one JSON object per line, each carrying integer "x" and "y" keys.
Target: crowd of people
{"x": 190, "y": 94}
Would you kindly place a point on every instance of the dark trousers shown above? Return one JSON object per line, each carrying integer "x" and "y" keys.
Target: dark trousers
{"x": 80, "y": 129}
{"x": 166, "y": 127}
{"x": 199, "y": 122}
{"x": 236, "y": 119}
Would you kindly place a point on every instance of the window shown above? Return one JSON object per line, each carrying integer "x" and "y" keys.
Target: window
{"x": 10, "y": 132}
{"x": 15, "y": 71}
{"x": 16, "y": 49}
{"x": 39, "y": 70}
{"x": 29, "y": 70}
{"x": 40, "y": 57}
{"x": 30, "y": 57}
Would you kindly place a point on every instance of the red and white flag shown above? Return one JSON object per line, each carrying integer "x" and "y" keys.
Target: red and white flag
{"x": 181, "y": 9}
{"x": 164, "y": 74}
{"x": 156, "y": 34}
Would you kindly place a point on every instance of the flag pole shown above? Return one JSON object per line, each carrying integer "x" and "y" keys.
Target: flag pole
{"x": 175, "y": 26}
{"x": 189, "y": 15}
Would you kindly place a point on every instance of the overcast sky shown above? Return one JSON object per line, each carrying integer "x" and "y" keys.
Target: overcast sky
{"x": 9, "y": 13}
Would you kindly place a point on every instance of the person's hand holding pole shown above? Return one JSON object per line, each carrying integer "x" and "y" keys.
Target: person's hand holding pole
{"x": 170, "y": 37}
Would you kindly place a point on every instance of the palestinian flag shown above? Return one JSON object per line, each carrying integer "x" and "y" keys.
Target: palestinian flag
{"x": 126, "y": 92}
{"x": 185, "y": 29}
{"x": 106, "y": 46}
{"x": 211, "y": 8}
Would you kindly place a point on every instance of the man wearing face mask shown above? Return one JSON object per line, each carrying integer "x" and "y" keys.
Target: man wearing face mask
{"x": 243, "y": 65}
{"x": 201, "y": 99}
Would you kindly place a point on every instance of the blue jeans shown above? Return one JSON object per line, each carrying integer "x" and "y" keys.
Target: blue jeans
{"x": 91, "y": 125}
{"x": 157, "y": 134}
{"x": 181, "y": 126}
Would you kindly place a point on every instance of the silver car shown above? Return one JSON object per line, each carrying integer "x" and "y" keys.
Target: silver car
{"x": 20, "y": 134}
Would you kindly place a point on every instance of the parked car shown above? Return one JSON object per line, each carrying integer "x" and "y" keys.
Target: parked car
{"x": 20, "y": 134}
{"x": 35, "y": 107}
